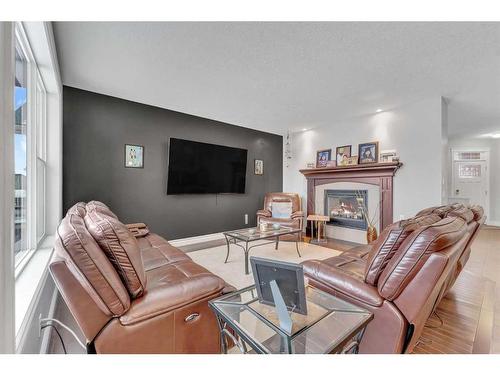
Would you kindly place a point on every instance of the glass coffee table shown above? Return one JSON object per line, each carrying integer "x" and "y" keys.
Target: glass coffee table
{"x": 243, "y": 237}
{"x": 330, "y": 326}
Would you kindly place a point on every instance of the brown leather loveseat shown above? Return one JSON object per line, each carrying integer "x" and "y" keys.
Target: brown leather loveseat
{"x": 403, "y": 275}
{"x": 129, "y": 290}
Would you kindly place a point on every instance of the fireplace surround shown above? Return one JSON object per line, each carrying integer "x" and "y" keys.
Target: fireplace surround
{"x": 379, "y": 174}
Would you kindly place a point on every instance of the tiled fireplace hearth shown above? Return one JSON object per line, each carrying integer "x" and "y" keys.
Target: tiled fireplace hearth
{"x": 346, "y": 208}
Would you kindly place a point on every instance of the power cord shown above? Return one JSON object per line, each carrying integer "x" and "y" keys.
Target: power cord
{"x": 58, "y": 334}
{"x": 441, "y": 322}
{"x": 49, "y": 323}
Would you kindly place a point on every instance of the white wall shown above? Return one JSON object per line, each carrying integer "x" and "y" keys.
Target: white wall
{"x": 414, "y": 130}
{"x": 493, "y": 146}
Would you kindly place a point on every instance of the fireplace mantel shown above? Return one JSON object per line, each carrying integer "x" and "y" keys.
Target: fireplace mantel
{"x": 380, "y": 174}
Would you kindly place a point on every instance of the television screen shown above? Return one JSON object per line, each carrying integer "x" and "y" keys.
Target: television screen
{"x": 203, "y": 168}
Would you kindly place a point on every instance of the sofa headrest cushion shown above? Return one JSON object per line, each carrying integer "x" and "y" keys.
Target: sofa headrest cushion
{"x": 414, "y": 252}
{"x": 120, "y": 246}
{"x": 462, "y": 212}
{"x": 102, "y": 208}
{"x": 89, "y": 264}
{"x": 388, "y": 243}
{"x": 77, "y": 209}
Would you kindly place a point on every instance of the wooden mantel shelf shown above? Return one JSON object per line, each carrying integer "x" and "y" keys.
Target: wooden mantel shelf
{"x": 360, "y": 168}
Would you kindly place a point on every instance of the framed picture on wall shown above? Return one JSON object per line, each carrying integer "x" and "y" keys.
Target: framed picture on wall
{"x": 322, "y": 157}
{"x": 258, "y": 167}
{"x": 134, "y": 156}
{"x": 368, "y": 153}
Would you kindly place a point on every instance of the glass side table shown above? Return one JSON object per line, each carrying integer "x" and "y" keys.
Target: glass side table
{"x": 330, "y": 326}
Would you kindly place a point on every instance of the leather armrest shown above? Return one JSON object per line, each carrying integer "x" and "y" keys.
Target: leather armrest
{"x": 174, "y": 294}
{"x": 342, "y": 282}
{"x": 136, "y": 225}
{"x": 297, "y": 214}
{"x": 264, "y": 213}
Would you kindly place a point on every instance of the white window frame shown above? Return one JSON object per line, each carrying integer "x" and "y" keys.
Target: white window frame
{"x": 35, "y": 132}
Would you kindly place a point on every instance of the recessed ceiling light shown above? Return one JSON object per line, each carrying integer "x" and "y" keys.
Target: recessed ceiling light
{"x": 378, "y": 110}
{"x": 304, "y": 129}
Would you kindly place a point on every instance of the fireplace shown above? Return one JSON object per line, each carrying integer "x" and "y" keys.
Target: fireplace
{"x": 346, "y": 208}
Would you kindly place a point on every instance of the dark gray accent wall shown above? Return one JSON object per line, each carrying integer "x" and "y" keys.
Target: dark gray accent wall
{"x": 96, "y": 129}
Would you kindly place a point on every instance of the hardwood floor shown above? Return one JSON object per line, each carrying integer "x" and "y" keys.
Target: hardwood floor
{"x": 468, "y": 319}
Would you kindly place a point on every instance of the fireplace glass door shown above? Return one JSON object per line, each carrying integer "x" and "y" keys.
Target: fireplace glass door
{"x": 347, "y": 208}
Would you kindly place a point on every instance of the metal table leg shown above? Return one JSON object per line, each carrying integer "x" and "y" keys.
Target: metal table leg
{"x": 297, "y": 244}
{"x": 246, "y": 258}
{"x": 277, "y": 242}
{"x": 227, "y": 255}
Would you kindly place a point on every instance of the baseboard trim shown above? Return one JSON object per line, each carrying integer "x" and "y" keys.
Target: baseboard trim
{"x": 197, "y": 239}
{"x": 493, "y": 223}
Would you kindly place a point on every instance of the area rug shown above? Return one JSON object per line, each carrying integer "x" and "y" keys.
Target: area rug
{"x": 234, "y": 270}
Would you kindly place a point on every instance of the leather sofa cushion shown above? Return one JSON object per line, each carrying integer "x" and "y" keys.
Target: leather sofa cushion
{"x": 462, "y": 212}
{"x": 171, "y": 287}
{"x": 360, "y": 251}
{"x": 414, "y": 252}
{"x": 389, "y": 242}
{"x": 90, "y": 266}
{"x": 120, "y": 246}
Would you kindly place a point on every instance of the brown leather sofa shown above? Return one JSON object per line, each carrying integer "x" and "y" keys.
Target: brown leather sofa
{"x": 403, "y": 275}
{"x": 129, "y": 290}
{"x": 296, "y": 219}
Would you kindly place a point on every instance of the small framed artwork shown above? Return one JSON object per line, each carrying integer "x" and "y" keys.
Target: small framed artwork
{"x": 368, "y": 153}
{"x": 388, "y": 156}
{"x": 258, "y": 167}
{"x": 134, "y": 156}
{"x": 322, "y": 157}
{"x": 353, "y": 160}
{"x": 343, "y": 153}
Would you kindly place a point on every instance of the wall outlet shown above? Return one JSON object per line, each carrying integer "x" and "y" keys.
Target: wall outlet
{"x": 401, "y": 217}
{"x": 246, "y": 219}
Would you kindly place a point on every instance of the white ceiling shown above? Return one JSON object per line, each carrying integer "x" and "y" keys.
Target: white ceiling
{"x": 279, "y": 76}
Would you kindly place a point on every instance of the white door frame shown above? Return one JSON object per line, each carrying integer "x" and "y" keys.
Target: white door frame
{"x": 486, "y": 150}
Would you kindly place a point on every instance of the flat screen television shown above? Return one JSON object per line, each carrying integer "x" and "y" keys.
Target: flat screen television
{"x": 203, "y": 168}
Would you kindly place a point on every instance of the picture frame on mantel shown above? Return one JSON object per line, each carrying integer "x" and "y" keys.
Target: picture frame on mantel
{"x": 368, "y": 153}
{"x": 322, "y": 157}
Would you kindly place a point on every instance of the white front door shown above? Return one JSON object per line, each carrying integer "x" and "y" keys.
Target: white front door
{"x": 471, "y": 178}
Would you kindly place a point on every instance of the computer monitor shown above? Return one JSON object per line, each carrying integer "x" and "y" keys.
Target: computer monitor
{"x": 290, "y": 280}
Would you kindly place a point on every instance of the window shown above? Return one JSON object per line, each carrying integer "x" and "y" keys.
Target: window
{"x": 21, "y": 237}
{"x": 29, "y": 151}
